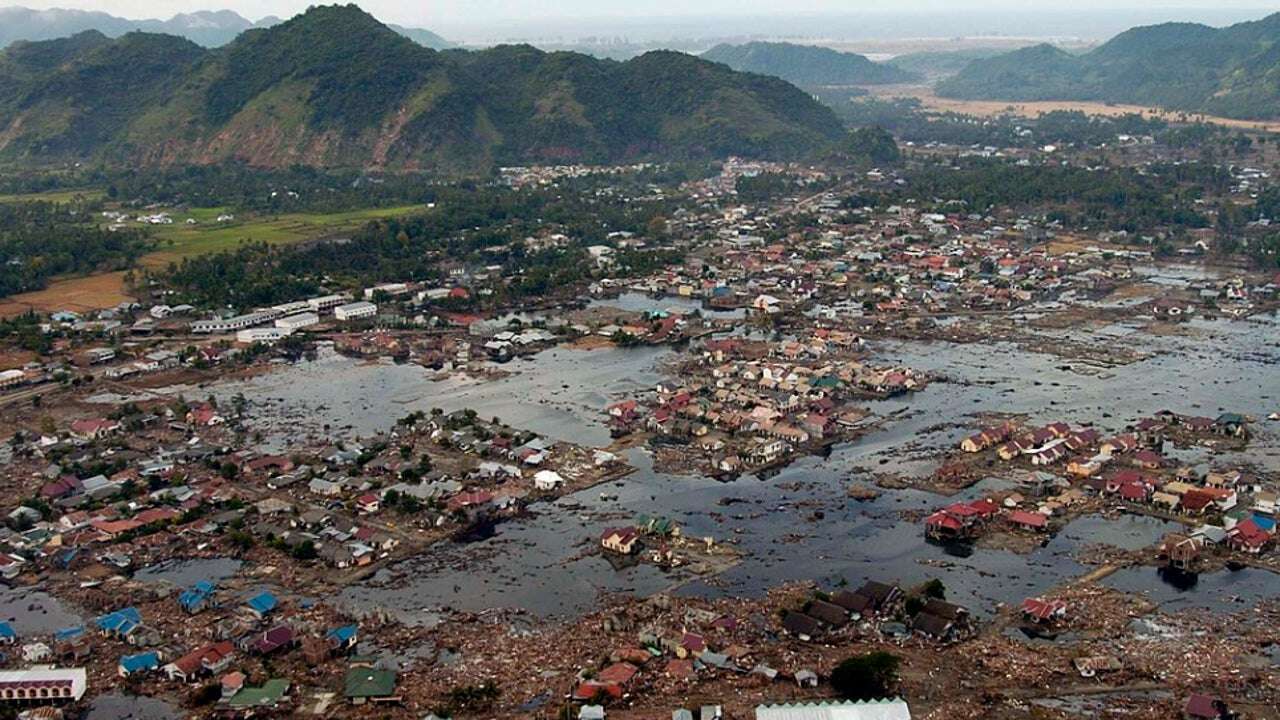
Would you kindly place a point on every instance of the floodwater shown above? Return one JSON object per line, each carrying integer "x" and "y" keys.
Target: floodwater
{"x": 640, "y": 302}
{"x": 131, "y": 707}
{"x": 1222, "y": 591}
{"x": 558, "y": 394}
{"x": 185, "y": 573}
{"x": 797, "y": 524}
{"x": 33, "y": 612}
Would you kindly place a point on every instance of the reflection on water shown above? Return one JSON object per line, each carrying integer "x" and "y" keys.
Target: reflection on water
{"x": 32, "y": 612}
{"x": 131, "y": 707}
{"x": 547, "y": 563}
{"x": 1179, "y": 580}
{"x": 184, "y": 573}
{"x": 1221, "y": 591}
{"x": 559, "y": 393}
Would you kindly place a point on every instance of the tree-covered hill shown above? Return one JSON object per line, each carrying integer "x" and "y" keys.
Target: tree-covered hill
{"x": 333, "y": 87}
{"x": 806, "y": 65}
{"x": 1233, "y": 71}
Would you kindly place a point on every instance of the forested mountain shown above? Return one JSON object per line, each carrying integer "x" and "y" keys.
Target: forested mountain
{"x": 207, "y": 28}
{"x": 806, "y": 65}
{"x": 335, "y": 88}
{"x": 941, "y": 63}
{"x": 1233, "y": 71}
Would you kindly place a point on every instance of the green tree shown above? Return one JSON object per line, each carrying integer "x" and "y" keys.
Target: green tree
{"x": 866, "y": 677}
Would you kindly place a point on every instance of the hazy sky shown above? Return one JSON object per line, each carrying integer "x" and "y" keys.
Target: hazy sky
{"x": 477, "y": 20}
{"x": 454, "y": 11}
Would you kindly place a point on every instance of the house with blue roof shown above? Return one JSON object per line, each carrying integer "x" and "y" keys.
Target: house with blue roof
{"x": 343, "y": 638}
{"x": 197, "y": 598}
{"x": 1265, "y": 522}
{"x": 262, "y": 604}
{"x": 120, "y": 624}
{"x": 8, "y": 635}
{"x": 140, "y": 663}
{"x": 68, "y": 634}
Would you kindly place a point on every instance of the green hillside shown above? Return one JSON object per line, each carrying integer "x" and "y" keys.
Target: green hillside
{"x": 806, "y": 65}
{"x": 1234, "y": 71}
{"x": 335, "y": 88}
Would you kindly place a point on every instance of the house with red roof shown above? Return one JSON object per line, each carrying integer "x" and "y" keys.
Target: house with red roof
{"x": 368, "y": 503}
{"x": 93, "y": 428}
{"x": 1028, "y": 520}
{"x": 204, "y": 415}
{"x": 1196, "y": 501}
{"x": 620, "y": 540}
{"x": 155, "y": 515}
{"x": 942, "y": 525}
{"x": 1247, "y": 537}
{"x": 208, "y": 659}
{"x": 1148, "y": 459}
{"x": 1135, "y": 492}
{"x": 111, "y": 529}
{"x": 1043, "y": 611}
{"x": 463, "y": 501}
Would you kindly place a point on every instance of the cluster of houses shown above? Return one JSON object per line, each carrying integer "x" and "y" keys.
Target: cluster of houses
{"x": 253, "y": 627}
{"x": 285, "y": 319}
{"x": 1239, "y": 513}
{"x": 745, "y": 404}
{"x": 885, "y": 605}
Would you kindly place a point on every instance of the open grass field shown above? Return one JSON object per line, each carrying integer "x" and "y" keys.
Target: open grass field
{"x": 106, "y": 290}
{"x": 78, "y": 294}
{"x": 55, "y": 196}
{"x": 988, "y": 108}
{"x": 181, "y": 239}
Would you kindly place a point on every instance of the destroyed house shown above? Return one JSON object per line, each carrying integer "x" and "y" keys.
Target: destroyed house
{"x": 1043, "y": 611}
{"x": 933, "y": 626}
{"x": 828, "y": 613}
{"x": 882, "y": 596}
{"x": 946, "y": 610}
{"x": 853, "y": 602}
{"x": 801, "y": 626}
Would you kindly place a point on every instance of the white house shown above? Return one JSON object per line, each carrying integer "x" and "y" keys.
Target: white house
{"x": 547, "y": 480}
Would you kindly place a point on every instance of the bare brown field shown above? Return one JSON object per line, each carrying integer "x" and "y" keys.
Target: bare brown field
{"x": 81, "y": 294}
{"x": 989, "y": 108}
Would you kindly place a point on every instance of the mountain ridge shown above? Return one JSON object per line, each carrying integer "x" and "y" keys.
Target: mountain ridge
{"x": 333, "y": 87}
{"x": 807, "y": 65}
{"x": 209, "y": 28}
{"x": 1231, "y": 72}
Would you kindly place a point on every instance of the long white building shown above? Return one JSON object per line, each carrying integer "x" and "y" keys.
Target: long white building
{"x": 355, "y": 311}
{"x": 299, "y": 321}
{"x": 43, "y": 685}
{"x": 233, "y": 324}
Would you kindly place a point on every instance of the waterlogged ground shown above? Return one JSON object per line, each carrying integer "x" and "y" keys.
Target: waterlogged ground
{"x": 798, "y": 524}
